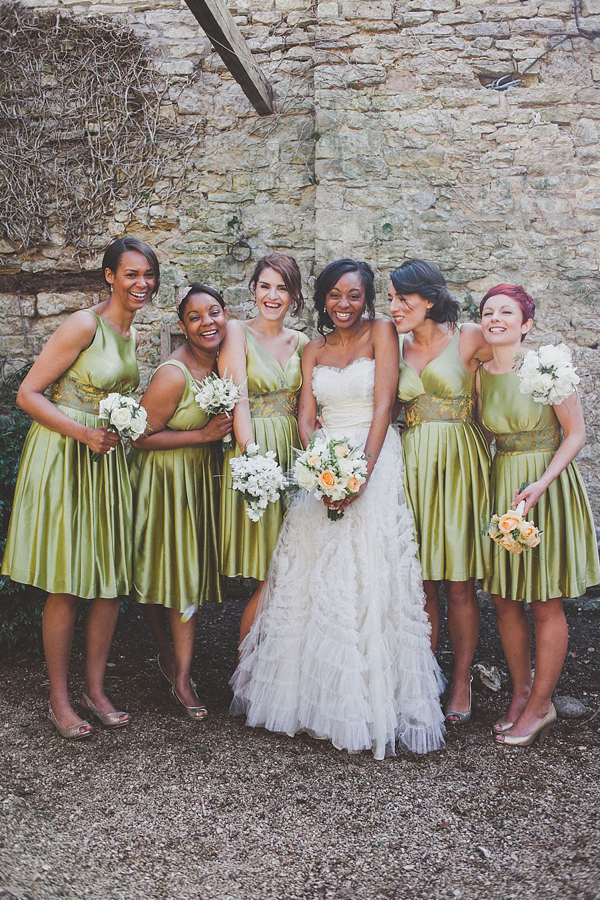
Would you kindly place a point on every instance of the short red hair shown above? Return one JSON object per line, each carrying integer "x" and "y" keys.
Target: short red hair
{"x": 516, "y": 293}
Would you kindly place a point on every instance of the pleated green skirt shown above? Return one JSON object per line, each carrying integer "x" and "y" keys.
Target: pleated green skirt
{"x": 565, "y": 562}
{"x": 446, "y": 468}
{"x": 246, "y": 547}
{"x": 175, "y": 532}
{"x": 70, "y": 529}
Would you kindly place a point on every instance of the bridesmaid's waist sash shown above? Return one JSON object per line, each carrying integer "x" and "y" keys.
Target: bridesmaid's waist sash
{"x": 69, "y": 391}
{"x": 427, "y": 408}
{"x": 542, "y": 440}
{"x": 275, "y": 403}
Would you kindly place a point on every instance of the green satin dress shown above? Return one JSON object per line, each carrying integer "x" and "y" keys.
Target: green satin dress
{"x": 446, "y": 467}
{"x": 70, "y": 529}
{"x": 176, "y": 507}
{"x": 247, "y": 547}
{"x": 528, "y": 435}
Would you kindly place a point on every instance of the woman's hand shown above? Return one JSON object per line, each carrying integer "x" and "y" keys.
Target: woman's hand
{"x": 101, "y": 440}
{"x": 216, "y": 429}
{"x": 531, "y": 494}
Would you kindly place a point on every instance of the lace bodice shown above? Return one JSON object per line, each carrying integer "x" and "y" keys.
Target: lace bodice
{"x": 345, "y": 395}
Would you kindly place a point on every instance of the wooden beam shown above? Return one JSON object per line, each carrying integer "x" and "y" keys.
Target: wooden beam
{"x": 217, "y": 22}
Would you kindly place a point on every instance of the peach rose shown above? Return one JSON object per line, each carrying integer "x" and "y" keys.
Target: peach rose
{"x": 509, "y": 521}
{"x": 510, "y": 544}
{"x": 341, "y": 450}
{"x": 314, "y": 461}
{"x": 327, "y": 480}
{"x": 354, "y": 484}
{"x": 530, "y": 536}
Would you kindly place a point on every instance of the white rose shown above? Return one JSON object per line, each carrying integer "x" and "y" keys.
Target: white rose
{"x": 109, "y": 403}
{"x": 304, "y": 477}
{"x": 138, "y": 425}
{"x": 121, "y": 418}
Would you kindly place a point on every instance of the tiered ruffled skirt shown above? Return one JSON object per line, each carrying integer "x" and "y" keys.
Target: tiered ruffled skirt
{"x": 340, "y": 647}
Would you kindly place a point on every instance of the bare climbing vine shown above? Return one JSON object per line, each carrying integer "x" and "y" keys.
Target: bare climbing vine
{"x": 83, "y": 128}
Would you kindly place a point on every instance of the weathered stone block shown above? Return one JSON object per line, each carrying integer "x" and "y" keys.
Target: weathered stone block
{"x": 327, "y": 10}
{"x": 371, "y": 10}
{"x": 54, "y": 304}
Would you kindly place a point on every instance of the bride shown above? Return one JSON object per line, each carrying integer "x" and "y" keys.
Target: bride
{"x": 340, "y": 646}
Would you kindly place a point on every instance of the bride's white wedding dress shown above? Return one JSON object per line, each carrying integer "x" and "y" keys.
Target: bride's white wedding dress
{"x": 340, "y": 645}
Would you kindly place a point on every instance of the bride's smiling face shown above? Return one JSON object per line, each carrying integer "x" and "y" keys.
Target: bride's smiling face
{"x": 345, "y": 302}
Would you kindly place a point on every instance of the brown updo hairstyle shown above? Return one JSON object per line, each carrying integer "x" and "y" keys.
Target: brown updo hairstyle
{"x": 114, "y": 252}
{"x": 516, "y": 293}
{"x": 287, "y": 267}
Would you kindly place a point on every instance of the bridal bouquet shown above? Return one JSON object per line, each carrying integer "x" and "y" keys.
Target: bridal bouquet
{"x": 333, "y": 468}
{"x": 218, "y": 395}
{"x": 548, "y": 374}
{"x": 512, "y": 532}
{"x": 258, "y": 478}
{"x": 125, "y": 417}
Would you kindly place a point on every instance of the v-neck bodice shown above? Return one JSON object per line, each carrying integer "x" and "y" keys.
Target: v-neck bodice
{"x": 265, "y": 373}
{"x": 444, "y": 376}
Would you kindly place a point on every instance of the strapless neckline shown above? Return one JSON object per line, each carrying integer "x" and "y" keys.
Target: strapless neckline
{"x": 343, "y": 368}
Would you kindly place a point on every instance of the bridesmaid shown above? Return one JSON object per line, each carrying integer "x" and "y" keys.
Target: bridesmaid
{"x": 70, "y": 529}
{"x": 446, "y": 458}
{"x": 264, "y": 358}
{"x": 531, "y": 449}
{"x": 174, "y": 474}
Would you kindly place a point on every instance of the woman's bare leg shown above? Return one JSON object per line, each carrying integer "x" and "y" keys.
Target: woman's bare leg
{"x": 463, "y": 628}
{"x": 100, "y": 624}
{"x": 432, "y": 609}
{"x": 58, "y": 626}
{"x": 184, "y": 635}
{"x": 515, "y": 635}
{"x": 157, "y": 619}
{"x": 249, "y": 613}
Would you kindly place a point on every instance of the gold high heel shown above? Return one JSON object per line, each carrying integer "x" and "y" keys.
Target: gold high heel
{"x": 111, "y": 719}
{"x": 512, "y": 740}
{"x": 197, "y": 713}
{"x": 70, "y": 732}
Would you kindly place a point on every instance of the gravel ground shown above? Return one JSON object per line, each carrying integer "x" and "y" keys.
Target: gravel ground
{"x": 170, "y": 809}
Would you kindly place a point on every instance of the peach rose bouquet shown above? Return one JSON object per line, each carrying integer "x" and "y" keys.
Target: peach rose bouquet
{"x": 335, "y": 469}
{"x": 513, "y": 532}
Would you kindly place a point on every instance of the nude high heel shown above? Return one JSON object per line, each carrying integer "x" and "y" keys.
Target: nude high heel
{"x": 513, "y": 740}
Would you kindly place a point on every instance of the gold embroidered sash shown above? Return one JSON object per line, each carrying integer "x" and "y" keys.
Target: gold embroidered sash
{"x": 275, "y": 403}
{"x": 69, "y": 391}
{"x": 427, "y": 408}
{"x": 538, "y": 441}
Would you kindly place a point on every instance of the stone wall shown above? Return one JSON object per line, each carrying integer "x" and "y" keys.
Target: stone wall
{"x": 386, "y": 144}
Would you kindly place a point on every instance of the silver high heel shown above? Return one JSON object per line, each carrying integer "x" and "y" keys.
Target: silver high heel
{"x": 463, "y": 717}
{"x": 197, "y": 713}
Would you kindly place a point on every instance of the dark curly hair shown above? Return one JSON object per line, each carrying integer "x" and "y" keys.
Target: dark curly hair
{"x": 114, "y": 252}
{"x": 415, "y": 276}
{"x": 287, "y": 267}
{"x": 198, "y": 288}
{"x": 327, "y": 280}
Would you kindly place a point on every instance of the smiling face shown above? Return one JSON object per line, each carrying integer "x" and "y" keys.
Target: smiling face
{"x": 272, "y": 296}
{"x": 345, "y": 302}
{"x": 204, "y": 322}
{"x": 408, "y": 310}
{"x": 133, "y": 282}
{"x": 502, "y": 321}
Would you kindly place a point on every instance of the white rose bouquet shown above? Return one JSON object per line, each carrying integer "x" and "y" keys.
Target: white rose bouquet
{"x": 548, "y": 374}
{"x": 258, "y": 478}
{"x": 218, "y": 395}
{"x": 333, "y": 468}
{"x": 512, "y": 532}
{"x": 125, "y": 417}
